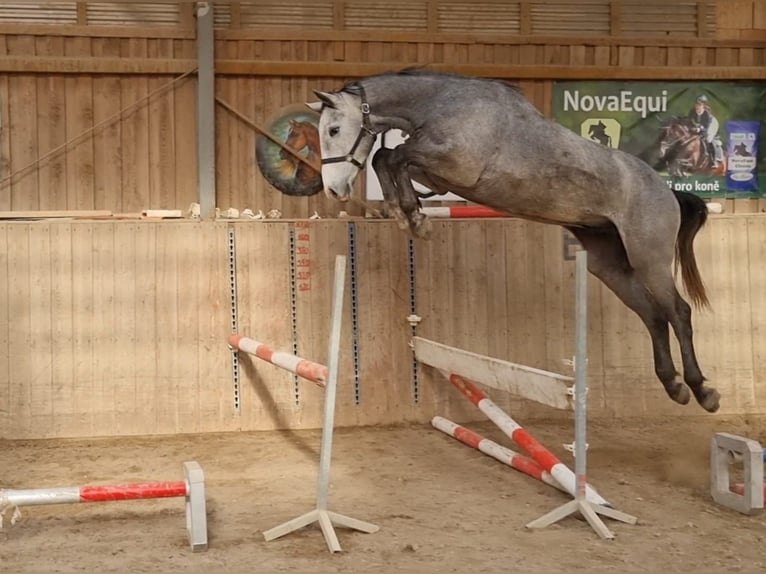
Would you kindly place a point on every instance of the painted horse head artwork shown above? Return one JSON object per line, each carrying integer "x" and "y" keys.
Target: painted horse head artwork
{"x": 683, "y": 149}
{"x": 484, "y": 141}
{"x": 302, "y": 136}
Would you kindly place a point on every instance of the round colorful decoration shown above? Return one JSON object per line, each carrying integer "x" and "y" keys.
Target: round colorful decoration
{"x": 296, "y": 126}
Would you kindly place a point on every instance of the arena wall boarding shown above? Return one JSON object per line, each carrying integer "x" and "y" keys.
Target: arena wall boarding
{"x": 119, "y": 327}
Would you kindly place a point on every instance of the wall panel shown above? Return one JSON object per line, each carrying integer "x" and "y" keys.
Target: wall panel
{"x": 120, "y": 328}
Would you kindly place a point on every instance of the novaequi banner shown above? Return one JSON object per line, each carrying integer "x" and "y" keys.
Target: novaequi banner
{"x": 701, "y": 137}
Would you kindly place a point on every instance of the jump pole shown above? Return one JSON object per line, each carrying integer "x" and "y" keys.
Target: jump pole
{"x": 541, "y": 455}
{"x": 326, "y": 376}
{"x": 496, "y": 451}
{"x": 192, "y": 489}
{"x": 309, "y": 370}
{"x": 581, "y": 503}
{"x": 482, "y": 211}
{"x": 462, "y": 211}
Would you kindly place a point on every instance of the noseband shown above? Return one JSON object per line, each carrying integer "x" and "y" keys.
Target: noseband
{"x": 364, "y": 130}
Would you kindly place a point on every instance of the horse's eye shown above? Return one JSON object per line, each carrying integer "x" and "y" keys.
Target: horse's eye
{"x": 334, "y": 131}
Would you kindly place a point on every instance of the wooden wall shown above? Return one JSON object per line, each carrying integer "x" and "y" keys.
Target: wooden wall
{"x": 119, "y": 328}
{"x": 59, "y": 80}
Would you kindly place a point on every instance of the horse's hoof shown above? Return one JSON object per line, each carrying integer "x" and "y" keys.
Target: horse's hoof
{"x": 680, "y": 394}
{"x": 710, "y": 400}
{"x": 421, "y": 228}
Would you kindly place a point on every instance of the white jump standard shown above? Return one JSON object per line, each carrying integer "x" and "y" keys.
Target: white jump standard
{"x": 326, "y": 376}
{"x": 192, "y": 489}
{"x": 462, "y": 368}
{"x": 581, "y": 504}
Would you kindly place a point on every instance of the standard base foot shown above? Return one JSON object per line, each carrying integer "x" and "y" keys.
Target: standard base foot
{"x": 589, "y": 511}
{"x": 326, "y": 520}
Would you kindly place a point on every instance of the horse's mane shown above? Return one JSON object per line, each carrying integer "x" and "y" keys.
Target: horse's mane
{"x": 422, "y": 71}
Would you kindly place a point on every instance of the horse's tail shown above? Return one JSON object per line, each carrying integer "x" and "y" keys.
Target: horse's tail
{"x": 693, "y": 217}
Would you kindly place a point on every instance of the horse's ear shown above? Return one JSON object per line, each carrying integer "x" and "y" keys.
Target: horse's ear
{"x": 315, "y": 106}
{"x": 326, "y": 98}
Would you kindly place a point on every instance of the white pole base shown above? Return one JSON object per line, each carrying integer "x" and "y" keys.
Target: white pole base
{"x": 196, "y": 511}
{"x": 589, "y": 511}
{"x": 326, "y": 519}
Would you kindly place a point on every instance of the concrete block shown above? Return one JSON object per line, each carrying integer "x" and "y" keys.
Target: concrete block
{"x": 725, "y": 450}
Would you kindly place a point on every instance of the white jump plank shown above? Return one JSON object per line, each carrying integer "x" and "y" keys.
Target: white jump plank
{"x": 534, "y": 384}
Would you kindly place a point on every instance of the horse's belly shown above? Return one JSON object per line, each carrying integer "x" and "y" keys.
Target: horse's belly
{"x": 547, "y": 202}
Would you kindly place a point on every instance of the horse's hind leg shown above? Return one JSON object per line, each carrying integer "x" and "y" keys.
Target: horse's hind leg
{"x": 608, "y": 261}
{"x": 652, "y": 261}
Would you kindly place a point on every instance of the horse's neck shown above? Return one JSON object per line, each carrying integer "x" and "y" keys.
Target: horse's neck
{"x": 393, "y": 101}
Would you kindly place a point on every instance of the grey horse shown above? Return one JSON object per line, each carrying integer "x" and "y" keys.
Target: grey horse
{"x": 483, "y": 140}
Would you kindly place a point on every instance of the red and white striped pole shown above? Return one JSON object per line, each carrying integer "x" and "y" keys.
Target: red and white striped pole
{"x": 94, "y": 493}
{"x": 310, "y": 370}
{"x": 545, "y": 458}
{"x": 466, "y": 211}
{"x": 192, "y": 489}
{"x": 496, "y": 451}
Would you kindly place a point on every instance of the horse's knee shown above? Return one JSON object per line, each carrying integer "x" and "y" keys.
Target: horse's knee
{"x": 380, "y": 159}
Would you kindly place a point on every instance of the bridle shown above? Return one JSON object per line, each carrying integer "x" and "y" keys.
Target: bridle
{"x": 365, "y": 129}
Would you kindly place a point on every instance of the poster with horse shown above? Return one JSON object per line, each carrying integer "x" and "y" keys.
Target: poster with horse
{"x": 702, "y": 137}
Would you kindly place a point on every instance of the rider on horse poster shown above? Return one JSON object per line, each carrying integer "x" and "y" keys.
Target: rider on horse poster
{"x": 687, "y": 131}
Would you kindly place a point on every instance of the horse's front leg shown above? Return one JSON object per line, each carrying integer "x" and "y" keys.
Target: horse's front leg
{"x": 398, "y": 192}
{"x": 407, "y": 197}
{"x": 419, "y": 224}
{"x": 382, "y": 166}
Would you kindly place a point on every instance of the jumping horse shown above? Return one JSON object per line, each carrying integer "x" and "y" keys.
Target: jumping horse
{"x": 483, "y": 140}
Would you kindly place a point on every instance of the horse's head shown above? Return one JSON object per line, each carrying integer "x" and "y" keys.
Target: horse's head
{"x": 672, "y": 131}
{"x": 345, "y": 139}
